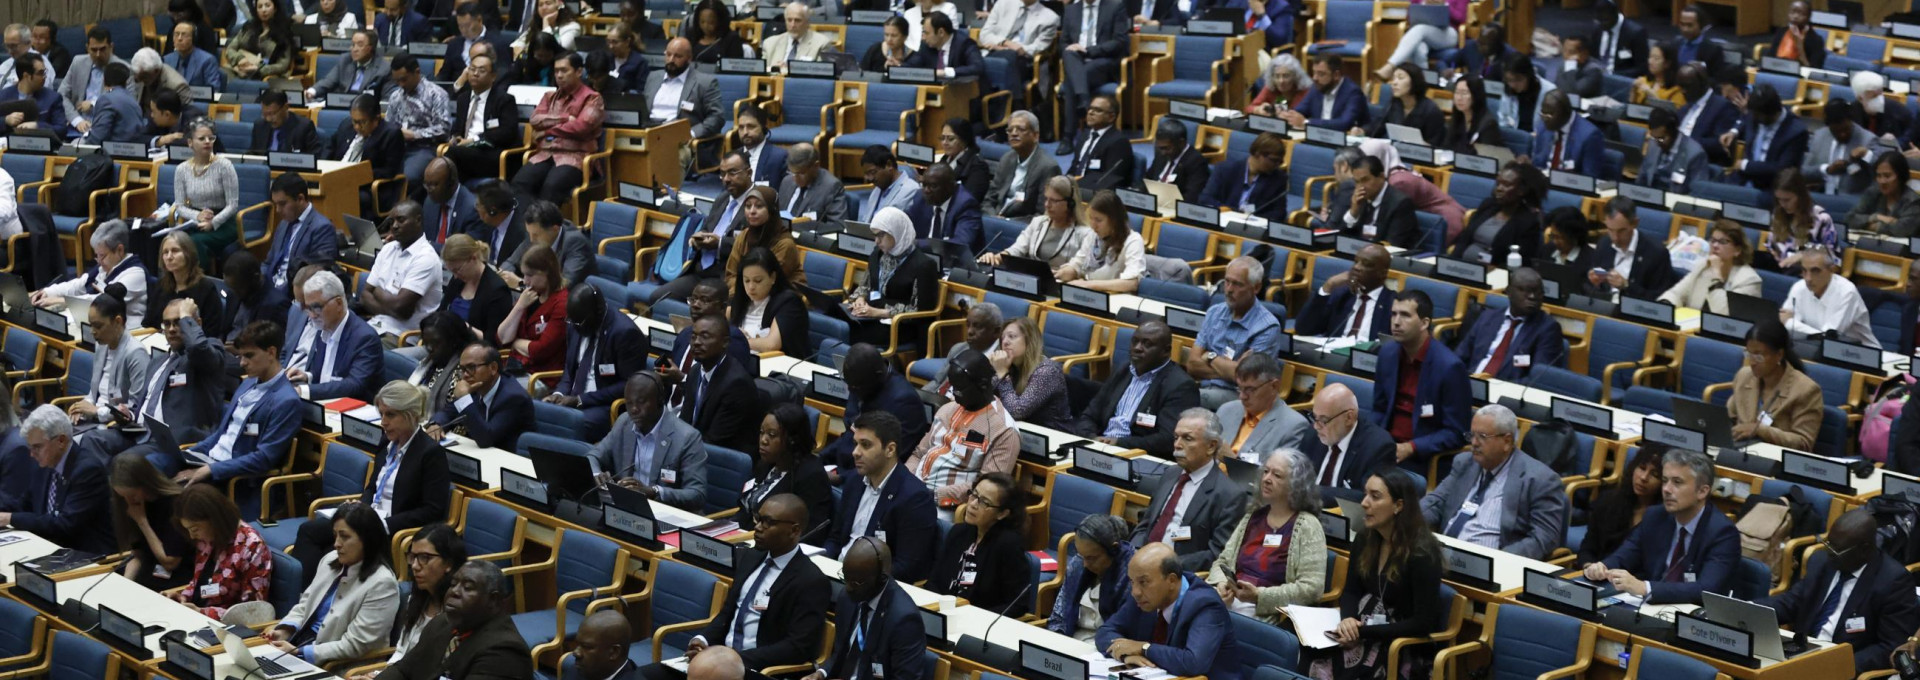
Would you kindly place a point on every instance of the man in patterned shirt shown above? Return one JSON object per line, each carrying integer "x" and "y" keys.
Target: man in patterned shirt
{"x": 972, "y": 435}
{"x": 423, "y": 112}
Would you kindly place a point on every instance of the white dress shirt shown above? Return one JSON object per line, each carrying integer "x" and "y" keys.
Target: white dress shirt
{"x": 1832, "y": 624}
{"x": 1194, "y": 479}
{"x": 863, "y": 514}
{"x": 414, "y": 267}
{"x": 1840, "y": 309}
{"x": 666, "y": 100}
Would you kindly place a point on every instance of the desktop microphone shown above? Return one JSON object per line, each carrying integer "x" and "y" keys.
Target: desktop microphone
{"x": 80, "y": 609}
{"x": 811, "y": 532}
{"x": 995, "y": 241}
{"x": 979, "y": 649}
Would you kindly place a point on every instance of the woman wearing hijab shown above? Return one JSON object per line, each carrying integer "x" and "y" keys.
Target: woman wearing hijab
{"x": 900, "y": 279}
{"x": 1425, "y": 196}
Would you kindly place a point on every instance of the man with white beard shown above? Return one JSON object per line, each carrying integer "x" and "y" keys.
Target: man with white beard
{"x": 1885, "y": 117}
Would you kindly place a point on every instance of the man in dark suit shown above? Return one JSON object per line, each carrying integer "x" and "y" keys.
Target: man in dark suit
{"x": 546, "y": 228}
{"x": 409, "y": 487}
{"x": 368, "y": 136}
{"x": 901, "y": 512}
{"x": 872, "y": 384}
{"x": 1351, "y": 304}
{"x": 502, "y": 225}
{"x": 1623, "y": 262}
{"x": 1094, "y": 36}
{"x": 673, "y": 467}
{"x": 1693, "y": 45}
{"x": 363, "y": 70}
{"x": 946, "y": 50}
{"x": 1346, "y": 447}
{"x": 1853, "y": 594}
{"x": 1256, "y": 185}
{"x": 1333, "y": 102}
{"x": 1138, "y": 408}
{"x": 1173, "y": 621}
{"x": 1776, "y": 139}
{"x": 1102, "y": 156}
{"x": 332, "y": 352}
{"x": 945, "y": 211}
{"x": 169, "y": 122}
{"x": 716, "y": 396}
{"x": 1485, "y": 56}
{"x": 1420, "y": 395}
{"x": 880, "y": 634}
{"x": 1619, "y": 43}
{"x": 399, "y": 25}
{"x": 496, "y": 411}
{"x": 1176, "y": 162}
{"x": 472, "y": 26}
{"x": 601, "y": 646}
{"x": 116, "y": 115}
{"x": 278, "y": 131}
{"x": 1674, "y": 160}
{"x": 1508, "y": 345}
{"x": 1707, "y": 113}
{"x": 1158, "y": 13}
{"x": 1580, "y": 74}
{"x": 185, "y": 387}
{"x": 303, "y": 237}
{"x": 1566, "y": 141}
{"x": 485, "y": 120}
{"x": 478, "y": 612}
{"x": 1910, "y": 310}
{"x": 1880, "y": 112}
{"x": 777, "y": 595}
{"x": 1840, "y": 154}
{"x": 709, "y": 296}
{"x": 1379, "y": 212}
{"x": 1497, "y": 497}
{"x": 251, "y": 297}
{"x": 604, "y": 348}
{"x": 1681, "y": 549}
{"x": 67, "y": 502}
{"x": 1195, "y": 509}
{"x": 449, "y": 208}
{"x": 811, "y": 192}
{"x": 767, "y": 163}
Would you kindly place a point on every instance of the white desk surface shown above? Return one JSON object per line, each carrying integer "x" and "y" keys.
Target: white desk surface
{"x": 32, "y": 547}
{"x": 139, "y": 603}
{"x": 921, "y": 596}
{"x": 1509, "y": 570}
{"x": 974, "y": 621}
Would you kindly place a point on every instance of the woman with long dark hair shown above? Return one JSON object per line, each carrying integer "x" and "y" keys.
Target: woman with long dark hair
{"x": 1471, "y": 122}
{"x": 1115, "y": 259}
{"x": 334, "y": 20}
{"x": 1410, "y": 107}
{"x": 1799, "y": 223}
{"x": 960, "y": 150}
{"x": 1773, "y": 399}
{"x": 763, "y": 227}
{"x": 231, "y": 565}
{"x": 349, "y": 607}
{"x": 787, "y": 465}
{"x": 766, "y": 309}
{"x": 1662, "y": 80}
{"x": 182, "y": 277}
{"x": 552, "y": 18}
{"x": 263, "y": 48}
{"x": 535, "y": 66}
{"x": 892, "y": 48}
{"x": 1618, "y": 510}
{"x": 984, "y": 558}
{"x": 1393, "y": 586}
{"x": 143, "y": 522}
{"x": 433, "y": 554}
{"x": 1890, "y": 208}
{"x": 711, "y": 32}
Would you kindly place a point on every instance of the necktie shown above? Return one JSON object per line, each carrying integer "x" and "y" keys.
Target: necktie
{"x": 446, "y": 217}
{"x": 940, "y": 222}
{"x": 793, "y": 48}
{"x": 1159, "y": 629}
{"x": 699, "y": 392}
{"x": 1677, "y": 562}
{"x": 394, "y": 33}
{"x": 275, "y": 144}
{"x": 1087, "y": 15}
{"x": 1559, "y": 146}
{"x": 353, "y": 150}
{"x": 1020, "y": 25}
{"x": 1832, "y": 603}
{"x": 943, "y": 57}
{"x": 53, "y": 493}
{"x": 584, "y": 369}
{"x": 1166, "y": 513}
{"x": 860, "y": 628}
{"x": 359, "y": 78}
{"x": 746, "y": 601}
{"x": 1499, "y": 357}
{"x": 317, "y": 356}
{"x": 1080, "y": 164}
{"x": 1460, "y": 519}
{"x": 1333, "y": 461}
{"x": 473, "y": 109}
{"x": 799, "y": 196}
{"x": 1359, "y": 312}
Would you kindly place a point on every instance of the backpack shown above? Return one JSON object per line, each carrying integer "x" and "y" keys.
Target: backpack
{"x": 1551, "y": 442}
{"x": 87, "y": 174}
{"x": 1876, "y": 426}
{"x": 1765, "y": 524}
{"x": 1895, "y": 516}
{"x": 675, "y": 255}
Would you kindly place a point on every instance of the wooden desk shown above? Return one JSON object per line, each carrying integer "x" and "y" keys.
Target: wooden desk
{"x": 649, "y": 157}
{"x": 336, "y": 189}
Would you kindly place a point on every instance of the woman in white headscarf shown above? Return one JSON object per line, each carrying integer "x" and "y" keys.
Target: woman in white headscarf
{"x": 901, "y": 278}
{"x": 1425, "y": 196}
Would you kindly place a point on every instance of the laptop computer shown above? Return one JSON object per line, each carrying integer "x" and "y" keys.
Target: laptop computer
{"x": 274, "y": 665}
{"x": 1749, "y": 307}
{"x": 1707, "y": 418}
{"x": 1356, "y": 517}
{"x": 1757, "y": 619}
{"x": 365, "y": 243}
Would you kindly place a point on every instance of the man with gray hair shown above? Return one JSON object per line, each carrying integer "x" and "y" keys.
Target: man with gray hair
{"x": 19, "y": 42}
{"x": 1822, "y": 304}
{"x": 982, "y": 335}
{"x": 810, "y": 192}
{"x": 111, "y": 264}
{"x": 800, "y": 42}
{"x": 67, "y": 501}
{"x": 1020, "y": 177}
{"x": 1496, "y": 499}
{"x": 330, "y": 351}
{"x": 1196, "y": 507}
{"x": 151, "y": 76}
{"x": 1681, "y": 549}
{"x": 1233, "y": 328}
{"x": 1259, "y": 421}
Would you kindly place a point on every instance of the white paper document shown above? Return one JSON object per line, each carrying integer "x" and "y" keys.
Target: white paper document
{"x": 1098, "y": 666}
{"x": 1313, "y": 624}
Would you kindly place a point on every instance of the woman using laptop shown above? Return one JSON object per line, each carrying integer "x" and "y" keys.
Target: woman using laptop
{"x": 1055, "y": 235}
{"x": 787, "y": 465}
{"x": 1773, "y": 399}
{"x": 349, "y": 608}
{"x": 1410, "y": 107}
{"x": 1115, "y": 259}
{"x": 231, "y": 565}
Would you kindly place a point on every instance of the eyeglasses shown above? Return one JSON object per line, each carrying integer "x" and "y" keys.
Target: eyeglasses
{"x": 761, "y": 519}
{"x": 1721, "y": 241}
{"x": 170, "y": 323}
{"x": 1250, "y": 389}
{"x": 1824, "y": 543}
{"x": 1483, "y": 436}
{"x": 421, "y": 558}
{"x": 1323, "y": 422}
{"x": 975, "y": 496}
{"x": 322, "y": 306}
{"x": 472, "y": 368}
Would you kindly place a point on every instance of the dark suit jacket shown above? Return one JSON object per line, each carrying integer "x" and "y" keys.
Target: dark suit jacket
{"x": 974, "y": 172}
{"x": 422, "y": 491}
{"x": 510, "y": 241}
{"x": 729, "y": 414}
{"x": 787, "y": 311}
{"x": 317, "y": 243}
{"x": 276, "y": 418}
{"x": 1369, "y": 449}
{"x": 1171, "y": 392}
{"x": 1719, "y": 116}
{"x": 962, "y": 224}
{"x": 1523, "y": 230}
{"x": 1883, "y": 596}
{"x": 267, "y": 304}
{"x": 464, "y": 217}
{"x": 621, "y": 344}
{"x": 376, "y": 78}
{"x": 1632, "y": 41}
{"x": 490, "y": 304}
{"x": 1788, "y": 148}
{"x": 772, "y": 166}
{"x": 191, "y": 408}
{"x": 1199, "y": 638}
{"x": 898, "y": 397}
{"x": 903, "y": 519}
{"x": 1325, "y": 314}
{"x": 356, "y": 362}
{"x": 1442, "y": 388}
{"x": 1349, "y": 107}
{"x": 1708, "y": 53}
{"x": 1652, "y": 269}
{"x": 1228, "y": 182}
{"x": 384, "y": 148}
{"x": 1713, "y": 553}
{"x": 1190, "y": 172}
{"x": 413, "y": 28}
{"x": 1909, "y": 315}
{"x": 916, "y": 283}
{"x": 1425, "y": 117}
{"x": 894, "y": 638}
{"x": 1111, "y": 31}
{"x": 1393, "y": 221}
{"x": 1109, "y": 164}
{"x": 80, "y": 521}
{"x": 502, "y": 117}
{"x": 17, "y": 471}
{"x": 494, "y": 652}
{"x": 498, "y": 426}
{"x": 296, "y": 134}
{"x": 456, "y": 60}
{"x": 1210, "y": 519}
{"x": 794, "y": 620}
{"x": 808, "y": 480}
{"x": 1582, "y": 148}
{"x": 1041, "y": 167}
{"x": 1583, "y": 82}
{"x": 1538, "y": 339}
{"x": 1469, "y": 60}
{"x": 1001, "y": 568}
{"x": 963, "y": 56}
{"x": 116, "y": 118}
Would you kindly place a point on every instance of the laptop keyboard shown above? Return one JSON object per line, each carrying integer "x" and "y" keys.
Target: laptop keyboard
{"x": 272, "y": 668}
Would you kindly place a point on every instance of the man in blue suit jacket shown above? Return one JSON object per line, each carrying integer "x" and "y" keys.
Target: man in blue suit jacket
{"x": 1707, "y": 115}
{"x": 1776, "y": 139}
{"x": 1258, "y": 182}
{"x": 449, "y": 207}
{"x": 615, "y": 350}
{"x": 1330, "y": 309}
{"x": 497, "y": 411}
{"x": 1577, "y": 141}
{"x": 902, "y": 514}
{"x": 1333, "y": 102}
{"x": 1195, "y": 639}
{"x": 1508, "y": 345}
{"x": 473, "y": 29}
{"x": 880, "y": 634}
{"x": 412, "y": 26}
{"x": 116, "y": 116}
{"x": 67, "y": 500}
{"x": 958, "y": 218}
{"x": 872, "y": 384}
{"x": 199, "y": 67}
{"x": 331, "y": 352}
{"x": 303, "y": 237}
{"x": 255, "y": 435}
{"x": 768, "y": 161}
{"x": 949, "y": 52}
{"x": 1707, "y": 544}
{"x": 1427, "y": 412}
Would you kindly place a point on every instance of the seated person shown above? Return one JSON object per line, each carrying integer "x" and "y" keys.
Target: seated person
{"x": 119, "y": 380}
{"x": 397, "y": 24}
{"x": 475, "y": 293}
{"x": 984, "y": 558}
{"x": 971, "y": 436}
{"x": 1102, "y": 156}
{"x": 652, "y": 451}
{"x": 368, "y": 136}
{"x": 567, "y": 127}
{"x": 1728, "y": 269}
{"x": 1582, "y": 76}
{"x": 902, "y": 278}
{"x": 1410, "y": 107}
{"x": 1256, "y": 185}
{"x": 1617, "y": 510}
{"x": 1472, "y": 122}
{"x": 1021, "y": 174}
{"x": 1334, "y": 102}
{"x": 1773, "y": 399}
{"x": 984, "y": 325}
{"x": 1823, "y": 304}
{"x": 1194, "y": 511}
{"x": 545, "y": 227}
{"x": 1234, "y": 329}
{"x": 1520, "y": 107}
{"x": 949, "y": 52}
{"x": 1425, "y": 196}
{"x": 891, "y": 188}
{"x": 1508, "y": 345}
{"x": 883, "y": 629}
{"x": 405, "y": 283}
{"x": 945, "y": 211}
{"x": 1565, "y": 241}
{"x": 1889, "y": 207}
{"x": 766, "y": 163}
{"x": 493, "y": 409}
{"x": 1347, "y": 446}
{"x": 255, "y": 434}
{"x": 786, "y": 465}
{"x": 1507, "y": 222}
{"x": 1176, "y": 162}
{"x": 1115, "y": 259}
{"x": 250, "y": 296}
{"x": 263, "y": 47}
{"x": 1495, "y": 499}
{"x": 1800, "y": 42}
{"x": 1173, "y": 622}
{"x": 1387, "y": 599}
{"x": 199, "y": 67}
{"x": 66, "y": 501}
{"x": 433, "y": 555}
{"x": 1775, "y": 139}
{"x": 170, "y": 123}
{"x": 1094, "y": 578}
{"x": 883, "y": 501}
{"x": 1681, "y": 549}
{"x": 1030, "y": 386}
{"x": 116, "y": 116}
{"x": 767, "y": 309}
{"x": 1798, "y": 222}
{"x": 776, "y": 592}
{"x": 33, "y": 85}
{"x": 479, "y": 604}
{"x": 1259, "y": 422}
{"x": 331, "y": 352}
{"x": 1139, "y": 408}
{"x": 1840, "y": 156}
{"x": 352, "y": 600}
{"x": 1426, "y": 410}
{"x": 873, "y": 383}
{"x": 486, "y": 122}
{"x": 231, "y": 565}
{"x": 1673, "y": 160}
{"x": 1624, "y": 263}
{"x": 276, "y": 130}
{"x": 309, "y": 237}
{"x": 1858, "y": 595}
{"x": 183, "y": 278}
{"x": 1351, "y": 304}
{"x": 1057, "y": 234}
{"x": 113, "y": 264}
{"x": 142, "y": 512}
{"x": 448, "y": 207}
{"x": 1567, "y": 141}
{"x": 714, "y": 395}
{"x": 409, "y": 487}
{"x": 604, "y": 348}
{"x": 1277, "y": 555}
{"x": 363, "y": 70}
{"x": 809, "y": 191}
{"x": 1379, "y": 212}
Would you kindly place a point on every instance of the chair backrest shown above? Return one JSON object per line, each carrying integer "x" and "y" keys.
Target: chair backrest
{"x": 1362, "y": 389}
{"x": 1751, "y": 578}
{"x": 127, "y": 36}
{"x": 802, "y": 98}
{"x": 825, "y": 272}
{"x": 1324, "y": 268}
{"x": 1643, "y": 399}
{"x": 727, "y": 472}
{"x": 1063, "y": 334}
{"x": 886, "y": 101}
{"x": 1709, "y": 362}
{"x": 1615, "y": 342}
{"x": 283, "y": 589}
{"x": 681, "y": 593}
{"x": 1832, "y": 437}
{"x": 1660, "y": 663}
{"x": 19, "y": 625}
{"x": 827, "y": 334}
{"x": 1010, "y": 306}
{"x": 1446, "y": 296}
{"x": 396, "y": 366}
{"x": 234, "y": 134}
{"x": 23, "y": 350}
{"x": 1469, "y": 189}
{"x": 1775, "y": 285}
{"x": 611, "y": 220}
{"x": 490, "y": 528}
{"x": 587, "y": 561}
{"x": 1001, "y": 232}
{"x": 345, "y": 471}
{"x": 1655, "y": 225}
{"x": 79, "y": 373}
{"x": 1821, "y": 500}
{"x": 1730, "y": 193}
{"x": 1433, "y": 232}
{"x": 1307, "y": 161}
{"x": 534, "y": 440}
{"x": 1193, "y": 57}
{"x": 1074, "y": 498}
{"x": 1174, "y": 293}
{"x": 1347, "y": 20}
{"x": 77, "y": 657}
{"x": 1182, "y": 242}
{"x": 1122, "y": 348}
{"x": 860, "y": 37}
{"x": 1261, "y": 644}
{"x": 559, "y": 421}
{"x": 1528, "y": 642}
{"x": 255, "y": 182}
{"x": 1564, "y": 382}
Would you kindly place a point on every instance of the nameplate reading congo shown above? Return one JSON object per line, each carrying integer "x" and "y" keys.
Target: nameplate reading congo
{"x": 1196, "y": 214}
{"x": 1468, "y": 564}
{"x": 1561, "y": 591}
{"x": 1817, "y": 468}
{"x": 1102, "y": 463}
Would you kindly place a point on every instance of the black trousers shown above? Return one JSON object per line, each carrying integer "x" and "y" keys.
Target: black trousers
{"x": 549, "y": 180}
{"x": 475, "y": 162}
{"x": 1082, "y": 77}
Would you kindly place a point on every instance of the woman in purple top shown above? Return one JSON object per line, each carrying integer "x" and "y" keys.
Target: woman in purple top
{"x": 1279, "y": 554}
{"x": 1418, "y": 40}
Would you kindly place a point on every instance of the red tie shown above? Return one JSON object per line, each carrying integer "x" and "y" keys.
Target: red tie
{"x": 1500, "y": 351}
{"x": 1166, "y": 513}
{"x": 1359, "y": 310}
{"x": 1559, "y": 144}
{"x": 446, "y": 214}
{"x": 1678, "y": 560}
{"x": 1333, "y": 460}
{"x": 1159, "y": 629}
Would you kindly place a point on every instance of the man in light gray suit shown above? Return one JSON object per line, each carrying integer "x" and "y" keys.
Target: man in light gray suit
{"x": 821, "y": 196}
{"x": 1673, "y": 161}
{"x": 546, "y": 227}
{"x": 364, "y": 70}
{"x": 678, "y": 91}
{"x": 1497, "y": 499}
{"x": 1014, "y": 33}
{"x": 1840, "y": 155}
{"x": 85, "y": 79}
{"x": 654, "y": 452}
{"x": 1258, "y": 377}
{"x": 119, "y": 366}
{"x": 1210, "y": 505}
{"x": 1020, "y": 177}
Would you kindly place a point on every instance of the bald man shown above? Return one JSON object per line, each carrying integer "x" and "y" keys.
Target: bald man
{"x": 1351, "y": 304}
{"x": 800, "y": 42}
{"x": 601, "y": 653}
{"x": 1507, "y": 345}
{"x": 1345, "y": 446}
{"x": 776, "y": 607}
{"x": 717, "y": 663}
{"x": 1171, "y": 621}
{"x": 1857, "y": 595}
{"x": 879, "y": 614}
{"x": 677, "y": 91}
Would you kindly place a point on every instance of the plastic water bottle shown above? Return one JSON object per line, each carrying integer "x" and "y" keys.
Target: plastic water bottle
{"x": 1513, "y": 257}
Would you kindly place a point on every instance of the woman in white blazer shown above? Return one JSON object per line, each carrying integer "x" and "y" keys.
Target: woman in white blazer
{"x": 349, "y": 608}
{"x": 1726, "y": 269}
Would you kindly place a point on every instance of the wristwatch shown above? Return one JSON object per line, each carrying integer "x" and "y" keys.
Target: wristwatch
{"x": 1210, "y": 356}
{"x": 1144, "y": 647}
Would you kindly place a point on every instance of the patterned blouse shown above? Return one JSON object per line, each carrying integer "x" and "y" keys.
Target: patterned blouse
{"x": 1045, "y": 400}
{"x": 244, "y": 571}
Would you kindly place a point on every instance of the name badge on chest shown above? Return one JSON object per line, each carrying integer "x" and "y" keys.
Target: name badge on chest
{"x": 1274, "y": 541}
{"x": 1180, "y": 533}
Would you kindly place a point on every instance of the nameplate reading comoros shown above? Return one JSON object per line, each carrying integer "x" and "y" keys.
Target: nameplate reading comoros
{"x": 360, "y": 431}
{"x": 1460, "y": 269}
{"x": 1290, "y": 234}
{"x": 1085, "y": 298}
{"x": 1713, "y": 635}
{"x": 1814, "y": 467}
{"x": 636, "y": 193}
{"x": 662, "y": 339}
{"x": 909, "y": 74}
{"x": 1746, "y": 213}
{"x": 1571, "y": 182}
{"x": 1016, "y": 281}
{"x": 1477, "y": 164}
{"x": 1644, "y": 195}
{"x": 1186, "y": 320}
{"x": 1544, "y": 585}
{"x": 1105, "y": 464}
{"x": 630, "y": 523}
{"x": 810, "y": 69}
{"x": 1210, "y": 28}
{"x": 1859, "y": 355}
{"x": 746, "y": 66}
{"x": 336, "y": 44}
{"x": 1033, "y": 442}
{"x": 1674, "y": 436}
{"x": 1467, "y": 564}
{"x": 1195, "y": 213}
{"x": 1329, "y": 136}
{"x": 427, "y": 49}
{"x": 1648, "y": 310}
{"x": 1348, "y": 245}
{"x": 1267, "y": 124}
{"x": 1581, "y": 413}
{"x": 287, "y": 160}
{"x": 1364, "y": 361}
{"x": 1188, "y": 110}
{"x": 829, "y": 386}
{"x": 463, "y": 466}
{"x": 29, "y": 143}
{"x": 1728, "y": 326}
{"x": 858, "y": 245}
{"x": 868, "y": 16}
{"x": 917, "y": 153}
{"x": 1138, "y": 201}
{"x": 340, "y": 100}
{"x": 523, "y": 486}
{"x": 1895, "y": 484}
